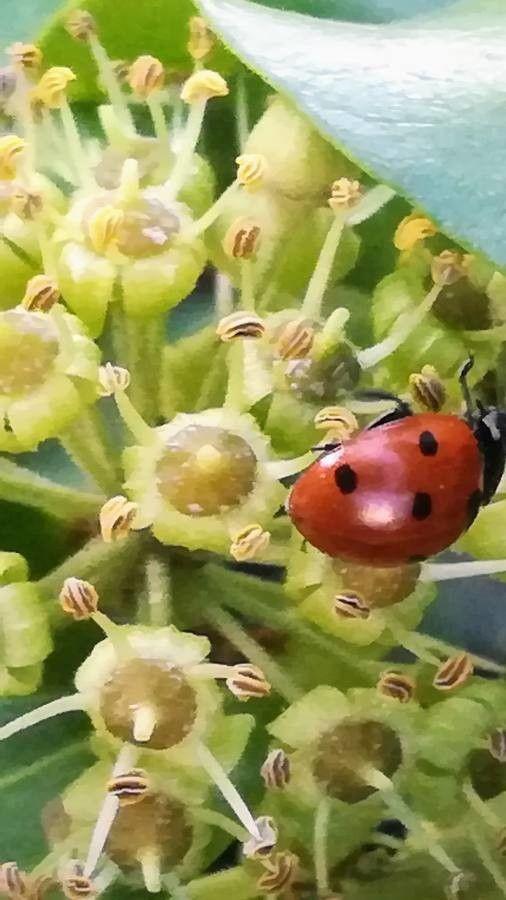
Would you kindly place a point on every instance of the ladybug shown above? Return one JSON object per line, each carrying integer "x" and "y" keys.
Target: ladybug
{"x": 406, "y": 487}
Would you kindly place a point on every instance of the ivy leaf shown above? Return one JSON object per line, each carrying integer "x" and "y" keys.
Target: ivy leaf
{"x": 420, "y": 108}
{"x": 20, "y": 21}
{"x": 360, "y": 10}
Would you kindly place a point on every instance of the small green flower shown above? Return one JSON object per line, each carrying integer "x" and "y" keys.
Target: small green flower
{"x": 24, "y": 629}
{"x": 48, "y": 373}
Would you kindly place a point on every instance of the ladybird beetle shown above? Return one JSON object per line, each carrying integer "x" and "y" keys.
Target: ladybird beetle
{"x": 406, "y": 487}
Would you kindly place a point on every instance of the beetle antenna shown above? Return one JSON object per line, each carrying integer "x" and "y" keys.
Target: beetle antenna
{"x": 464, "y": 386}
{"x": 378, "y": 394}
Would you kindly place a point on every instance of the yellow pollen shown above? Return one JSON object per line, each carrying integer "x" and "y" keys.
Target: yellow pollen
{"x": 52, "y": 87}
{"x": 11, "y": 150}
{"x": 412, "y": 229}
{"x": 203, "y": 85}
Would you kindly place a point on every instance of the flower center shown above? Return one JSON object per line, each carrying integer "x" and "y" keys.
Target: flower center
{"x": 28, "y": 347}
{"x": 147, "y": 229}
{"x": 488, "y": 775}
{"x": 321, "y": 381}
{"x": 205, "y": 470}
{"x": 350, "y": 747}
{"x": 142, "y": 684}
{"x": 379, "y": 587}
{"x": 158, "y": 822}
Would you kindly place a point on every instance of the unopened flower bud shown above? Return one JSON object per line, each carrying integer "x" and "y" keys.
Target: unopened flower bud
{"x": 351, "y": 606}
{"x": 454, "y": 672}
{"x": 242, "y": 239}
{"x": 276, "y": 770}
{"x": 26, "y": 204}
{"x": 112, "y": 379}
{"x": 146, "y": 76}
{"x": 201, "y": 40}
{"x": 116, "y": 518}
{"x": 249, "y": 543}
{"x": 281, "y": 871}
{"x": 268, "y": 836}
{"x": 130, "y": 788}
{"x": 427, "y": 389}
{"x": 397, "y": 685}
{"x": 346, "y": 193}
{"x": 248, "y": 681}
{"x": 447, "y": 268}
{"x": 240, "y": 324}
{"x": 203, "y": 85}
{"x": 295, "y": 339}
{"x": 104, "y": 228}
{"x": 13, "y": 881}
{"x": 412, "y": 229}
{"x": 81, "y": 25}
{"x": 251, "y": 170}
{"x": 339, "y": 422}
{"x": 12, "y": 148}
{"x": 78, "y": 598}
{"x": 497, "y": 744}
{"x": 25, "y": 56}
{"x": 52, "y": 87}
{"x": 41, "y": 294}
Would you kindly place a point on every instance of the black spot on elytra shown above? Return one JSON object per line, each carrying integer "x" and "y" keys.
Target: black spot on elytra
{"x": 422, "y": 506}
{"x": 346, "y": 479}
{"x": 428, "y": 444}
{"x": 473, "y": 506}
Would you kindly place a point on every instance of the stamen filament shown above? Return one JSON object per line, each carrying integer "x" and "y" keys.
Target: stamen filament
{"x": 247, "y": 285}
{"x": 158, "y": 118}
{"x": 227, "y": 789}
{"x": 320, "y": 844}
{"x": 73, "y": 138}
{"x": 133, "y": 420}
{"x": 401, "y": 811}
{"x": 401, "y": 330}
{"x": 110, "y": 82}
{"x": 114, "y": 633}
{"x": 283, "y": 468}
{"x": 124, "y": 763}
{"x": 211, "y": 817}
{"x": 480, "y": 807}
{"x": 241, "y": 112}
{"x": 371, "y": 202}
{"x": 450, "y": 571}
{"x": 213, "y": 212}
{"x": 73, "y": 703}
{"x": 312, "y": 303}
{"x": 223, "y": 296}
{"x": 188, "y": 146}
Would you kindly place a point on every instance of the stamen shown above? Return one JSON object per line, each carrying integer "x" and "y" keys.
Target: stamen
{"x": 281, "y": 870}
{"x": 350, "y": 605}
{"x": 397, "y": 685}
{"x": 454, "y": 672}
{"x": 255, "y": 847}
{"x": 25, "y": 204}
{"x": 41, "y": 294}
{"x": 202, "y": 39}
{"x": 345, "y": 194}
{"x": 338, "y": 422}
{"x": 249, "y": 543}
{"x": 112, "y": 379}
{"x": 246, "y": 681}
{"x": 240, "y": 324}
{"x": 13, "y": 881}
{"x": 427, "y": 389}
{"x": 125, "y": 761}
{"x": 12, "y": 149}
{"x": 146, "y": 76}
{"x": 117, "y": 518}
{"x": 80, "y": 599}
{"x": 450, "y": 571}
{"x": 320, "y": 847}
{"x": 312, "y": 303}
{"x": 130, "y": 787}
{"x": 497, "y": 744}
{"x": 81, "y": 25}
{"x": 401, "y": 330}
{"x": 227, "y": 789}
{"x": 213, "y": 212}
{"x": 25, "y": 56}
{"x": 151, "y": 866}
{"x": 295, "y": 340}
{"x": 203, "y": 85}
{"x": 73, "y": 703}
{"x": 141, "y": 431}
{"x": 276, "y": 770}
{"x": 411, "y": 230}
{"x": 481, "y": 808}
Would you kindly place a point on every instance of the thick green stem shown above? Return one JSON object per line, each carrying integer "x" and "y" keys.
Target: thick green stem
{"x": 20, "y": 485}
{"x": 85, "y": 443}
{"x": 138, "y": 345}
{"x": 320, "y": 841}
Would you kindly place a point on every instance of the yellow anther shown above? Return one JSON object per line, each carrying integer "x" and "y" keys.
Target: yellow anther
{"x": 338, "y": 421}
{"x": 454, "y": 672}
{"x": 78, "y": 598}
{"x": 202, "y": 39}
{"x": 104, "y": 228}
{"x": 346, "y": 193}
{"x": 276, "y": 770}
{"x": 203, "y": 85}
{"x": 249, "y": 543}
{"x": 397, "y": 685}
{"x": 281, "y": 870}
{"x": 448, "y": 267}
{"x": 349, "y": 605}
{"x": 251, "y": 170}
{"x": 260, "y": 845}
{"x": 412, "y": 229}
{"x": 240, "y": 324}
{"x": 81, "y": 25}
{"x": 427, "y": 389}
{"x": 295, "y": 339}
{"x": 117, "y": 517}
{"x": 130, "y": 788}
{"x": 12, "y": 148}
{"x": 146, "y": 76}
{"x": 13, "y": 881}
{"x": 52, "y": 87}
{"x": 41, "y": 294}
{"x": 242, "y": 239}
{"x": 26, "y": 204}
{"x": 25, "y": 56}
{"x": 248, "y": 681}
{"x": 112, "y": 379}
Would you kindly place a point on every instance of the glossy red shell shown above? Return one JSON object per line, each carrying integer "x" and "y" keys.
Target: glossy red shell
{"x": 384, "y": 517}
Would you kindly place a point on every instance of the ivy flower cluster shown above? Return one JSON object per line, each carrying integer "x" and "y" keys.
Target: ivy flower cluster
{"x": 348, "y": 769}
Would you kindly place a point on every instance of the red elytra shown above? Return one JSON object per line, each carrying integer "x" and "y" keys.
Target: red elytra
{"x": 394, "y": 494}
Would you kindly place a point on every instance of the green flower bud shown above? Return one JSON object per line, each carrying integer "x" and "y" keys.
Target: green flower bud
{"x": 48, "y": 372}
{"x": 449, "y": 730}
{"x": 26, "y": 639}
{"x": 202, "y": 478}
{"x": 486, "y": 539}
